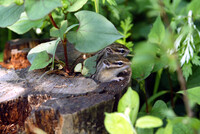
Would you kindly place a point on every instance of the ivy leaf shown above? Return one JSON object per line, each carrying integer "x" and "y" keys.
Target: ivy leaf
{"x": 94, "y": 33}
{"x": 10, "y": 14}
{"x": 117, "y": 123}
{"x": 41, "y": 60}
{"x": 75, "y": 5}
{"x": 129, "y": 100}
{"x": 193, "y": 94}
{"x": 54, "y": 32}
{"x": 23, "y": 25}
{"x": 149, "y": 122}
{"x": 37, "y": 9}
{"x": 157, "y": 32}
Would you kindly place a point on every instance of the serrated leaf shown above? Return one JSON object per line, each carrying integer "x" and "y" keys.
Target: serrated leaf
{"x": 187, "y": 70}
{"x": 117, "y": 123}
{"x": 129, "y": 100}
{"x": 10, "y": 14}
{"x": 149, "y": 122}
{"x": 158, "y": 109}
{"x": 54, "y": 32}
{"x": 193, "y": 80}
{"x": 157, "y": 32}
{"x": 75, "y": 5}
{"x": 41, "y": 60}
{"x": 95, "y": 32}
{"x": 37, "y": 9}
{"x": 193, "y": 94}
{"x": 23, "y": 25}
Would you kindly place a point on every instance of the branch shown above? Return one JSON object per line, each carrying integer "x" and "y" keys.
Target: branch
{"x": 52, "y": 21}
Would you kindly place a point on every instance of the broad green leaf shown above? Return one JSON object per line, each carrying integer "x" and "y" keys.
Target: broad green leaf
{"x": 193, "y": 94}
{"x": 130, "y": 100}
{"x": 41, "y": 60}
{"x": 94, "y": 33}
{"x": 23, "y": 25}
{"x": 54, "y": 32}
{"x": 194, "y": 6}
{"x": 10, "y": 14}
{"x": 6, "y": 2}
{"x": 149, "y": 122}
{"x": 117, "y": 123}
{"x": 157, "y": 32}
{"x": 160, "y": 131}
{"x": 49, "y": 47}
{"x": 144, "y": 130}
{"x": 89, "y": 66}
{"x": 158, "y": 109}
{"x": 37, "y": 9}
{"x": 76, "y": 5}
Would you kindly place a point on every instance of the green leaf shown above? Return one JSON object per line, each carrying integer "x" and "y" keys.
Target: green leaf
{"x": 158, "y": 109}
{"x": 78, "y": 68}
{"x": 117, "y": 123}
{"x": 54, "y": 32}
{"x": 144, "y": 131}
{"x": 194, "y": 6}
{"x": 41, "y": 60}
{"x": 37, "y": 9}
{"x": 129, "y": 100}
{"x": 193, "y": 94}
{"x": 89, "y": 66}
{"x": 19, "y": 2}
{"x": 193, "y": 80}
{"x": 95, "y": 32}
{"x": 157, "y": 32}
{"x": 10, "y": 14}
{"x": 187, "y": 70}
{"x": 49, "y": 47}
{"x": 196, "y": 60}
{"x": 76, "y": 5}
{"x": 6, "y": 2}
{"x": 149, "y": 122}
{"x": 23, "y": 25}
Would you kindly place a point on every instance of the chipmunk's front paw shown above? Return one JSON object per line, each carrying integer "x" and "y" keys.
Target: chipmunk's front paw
{"x": 118, "y": 79}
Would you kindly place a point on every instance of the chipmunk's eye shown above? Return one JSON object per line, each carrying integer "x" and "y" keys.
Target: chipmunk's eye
{"x": 119, "y": 63}
{"x": 121, "y": 51}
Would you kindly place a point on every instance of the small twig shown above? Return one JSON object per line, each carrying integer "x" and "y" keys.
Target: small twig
{"x": 52, "y": 21}
{"x": 171, "y": 89}
{"x": 182, "y": 83}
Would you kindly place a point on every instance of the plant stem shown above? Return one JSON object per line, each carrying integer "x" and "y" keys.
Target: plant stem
{"x": 171, "y": 89}
{"x": 64, "y": 43}
{"x": 142, "y": 87}
{"x": 182, "y": 83}
{"x": 96, "y": 3}
{"x": 52, "y": 21}
{"x": 157, "y": 82}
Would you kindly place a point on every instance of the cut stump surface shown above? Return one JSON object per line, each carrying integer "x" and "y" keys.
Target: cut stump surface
{"x": 54, "y": 103}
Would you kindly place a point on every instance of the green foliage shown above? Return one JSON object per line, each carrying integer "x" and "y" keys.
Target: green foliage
{"x": 41, "y": 60}
{"x": 94, "y": 33}
{"x": 23, "y": 25}
{"x": 10, "y": 14}
{"x": 54, "y": 32}
{"x": 129, "y": 100}
{"x": 37, "y": 9}
{"x": 148, "y": 122}
{"x": 126, "y": 26}
{"x": 193, "y": 94}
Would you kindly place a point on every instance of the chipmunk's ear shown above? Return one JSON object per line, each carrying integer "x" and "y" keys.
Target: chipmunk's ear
{"x": 106, "y": 63}
{"x": 109, "y": 50}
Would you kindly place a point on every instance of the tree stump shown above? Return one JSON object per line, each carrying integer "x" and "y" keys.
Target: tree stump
{"x": 54, "y": 103}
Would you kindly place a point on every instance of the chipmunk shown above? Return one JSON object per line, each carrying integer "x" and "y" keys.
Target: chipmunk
{"x": 110, "y": 67}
